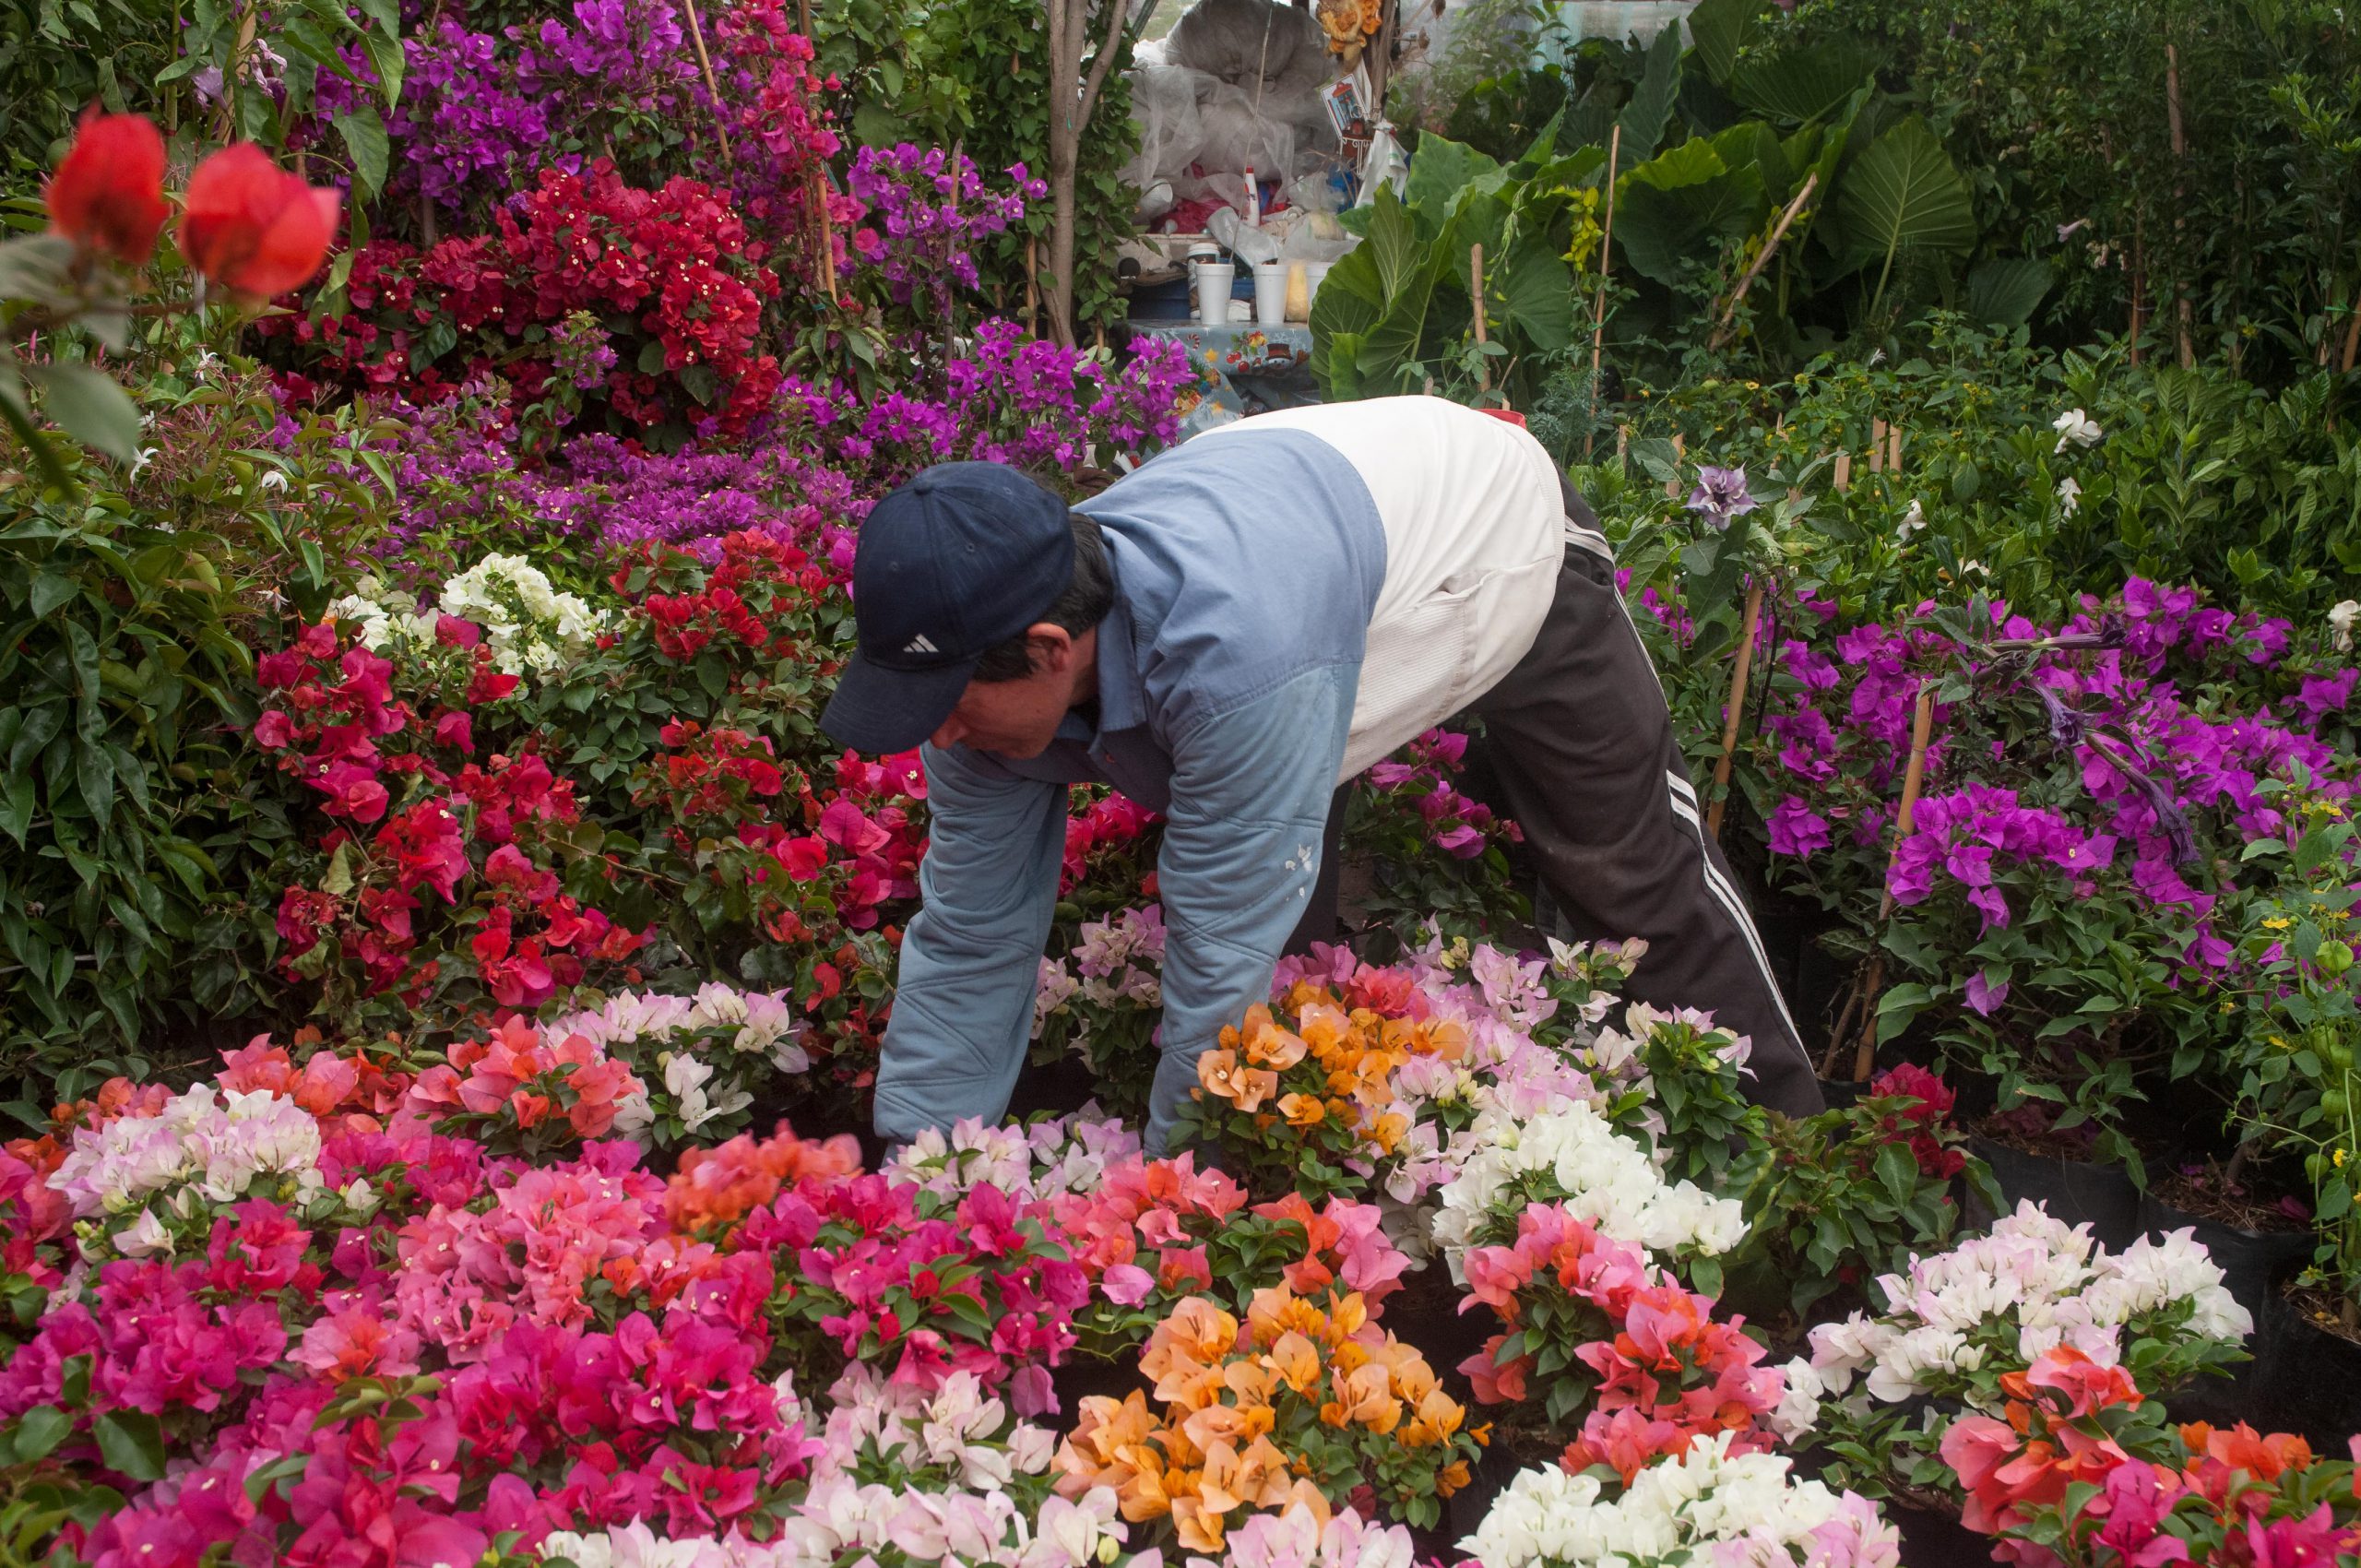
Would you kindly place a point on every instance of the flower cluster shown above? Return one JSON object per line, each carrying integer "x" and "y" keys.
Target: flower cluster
{"x": 1568, "y": 1153}
{"x": 928, "y": 215}
{"x": 1312, "y": 1106}
{"x": 1298, "y": 1405}
{"x": 1149, "y": 1234}
{"x": 1656, "y": 1368}
{"x": 2076, "y": 1468}
{"x": 520, "y": 1091}
{"x": 708, "y": 1053}
{"x": 1102, "y": 1001}
{"x": 1710, "y": 1506}
{"x": 1954, "y": 1322}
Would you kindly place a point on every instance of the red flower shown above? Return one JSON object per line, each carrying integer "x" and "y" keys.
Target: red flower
{"x": 108, "y": 194}
{"x": 253, "y": 228}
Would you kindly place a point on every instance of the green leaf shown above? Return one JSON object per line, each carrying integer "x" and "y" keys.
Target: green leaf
{"x": 1903, "y": 194}
{"x": 39, "y": 1431}
{"x": 1441, "y": 175}
{"x": 1723, "y": 28}
{"x": 1897, "y": 1170}
{"x": 131, "y": 1444}
{"x": 364, "y": 141}
{"x": 89, "y": 407}
{"x": 1804, "y": 84}
{"x": 1675, "y": 210}
{"x": 1644, "y": 117}
{"x": 385, "y": 50}
{"x": 1534, "y": 289}
{"x": 2005, "y": 292}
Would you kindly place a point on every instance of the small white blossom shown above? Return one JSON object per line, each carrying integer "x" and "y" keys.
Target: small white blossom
{"x": 2069, "y": 495}
{"x": 2341, "y": 618}
{"x": 2075, "y": 428}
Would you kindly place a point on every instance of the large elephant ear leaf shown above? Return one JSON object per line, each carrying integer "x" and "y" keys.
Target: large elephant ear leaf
{"x": 1441, "y": 172}
{"x": 1650, "y": 110}
{"x": 2006, "y": 291}
{"x": 1677, "y": 209}
{"x": 1536, "y": 292}
{"x": 1803, "y": 85}
{"x": 1903, "y": 194}
{"x": 1349, "y": 303}
{"x": 1721, "y": 28}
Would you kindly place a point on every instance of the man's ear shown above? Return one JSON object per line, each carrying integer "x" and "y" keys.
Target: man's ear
{"x": 1050, "y": 646}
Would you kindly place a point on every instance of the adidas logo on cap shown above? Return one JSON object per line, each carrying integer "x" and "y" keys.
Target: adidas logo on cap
{"x": 919, "y": 644}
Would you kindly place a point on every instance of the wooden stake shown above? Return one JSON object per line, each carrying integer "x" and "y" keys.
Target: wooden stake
{"x": 1877, "y": 447}
{"x": 1893, "y": 449}
{"x": 1605, "y": 258}
{"x": 1922, "y": 725}
{"x": 1730, "y": 312}
{"x": 1476, "y": 293}
{"x": 1680, "y": 451}
{"x": 713, "y": 90}
{"x": 2353, "y": 333}
{"x": 1032, "y": 284}
{"x": 1741, "y": 669}
{"x": 1843, "y": 477}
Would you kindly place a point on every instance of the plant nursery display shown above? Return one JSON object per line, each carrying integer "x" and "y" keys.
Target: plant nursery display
{"x": 446, "y": 964}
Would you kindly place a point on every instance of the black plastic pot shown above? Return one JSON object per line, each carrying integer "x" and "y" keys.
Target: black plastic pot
{"x": 1425, "y": 1312}
{"x": 2304, "y": 1379}
{"x": 2252, "y": 1262}
{"x": 1937, "y": 1540}
{"x": 2075, "y": 1190}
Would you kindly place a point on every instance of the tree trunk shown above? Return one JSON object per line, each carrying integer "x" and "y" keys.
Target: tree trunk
{"x": 1073, "y": 94}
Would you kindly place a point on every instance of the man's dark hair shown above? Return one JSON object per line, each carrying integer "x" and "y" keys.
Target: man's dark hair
{"x": 1083, "y": 603}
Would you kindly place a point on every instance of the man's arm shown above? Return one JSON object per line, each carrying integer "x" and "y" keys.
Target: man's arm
{"x": 1251, "y": 790}
{"x": 963, "y": 1007}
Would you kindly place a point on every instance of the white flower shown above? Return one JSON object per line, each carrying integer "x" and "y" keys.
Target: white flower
{"x": 2069, "y": 495}
{"x": 2341, "y": 619}
{"x": 2075, "y": 428}
{"x": 144, "y": 1237}
{"x": 1913, "y": 520}
{"x": 360, "y": 1198}
{"x": 140, "y": 460}
{"x": 272, "y": 479}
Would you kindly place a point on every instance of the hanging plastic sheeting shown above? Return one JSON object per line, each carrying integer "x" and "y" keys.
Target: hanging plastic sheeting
{"x": 1237, "y": 86}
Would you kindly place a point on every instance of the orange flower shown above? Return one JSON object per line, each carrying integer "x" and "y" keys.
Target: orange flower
{"x": 1298, "y": 1361}
{"x": 1271, "y": 1046}
{"x": 1246, "y": 1088}
{"x": 1302, "y": 1111}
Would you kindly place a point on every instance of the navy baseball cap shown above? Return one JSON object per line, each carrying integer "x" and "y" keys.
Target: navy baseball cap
{"x": 949, "y": 566}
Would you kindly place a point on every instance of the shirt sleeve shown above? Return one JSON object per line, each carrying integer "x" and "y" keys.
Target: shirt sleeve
{"x": 1251, "y": 792}
{"x": 971, "y": 957}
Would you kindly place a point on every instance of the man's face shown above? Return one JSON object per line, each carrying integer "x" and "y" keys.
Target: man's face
{"x": 1019, "y": 718}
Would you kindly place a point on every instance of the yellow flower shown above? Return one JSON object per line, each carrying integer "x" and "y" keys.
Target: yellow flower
{"x": 2339, "y": 1158}
{"x": 2277, "y": 923}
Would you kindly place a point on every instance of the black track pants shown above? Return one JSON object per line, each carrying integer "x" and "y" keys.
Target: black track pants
{"x": 1582, "y": 742}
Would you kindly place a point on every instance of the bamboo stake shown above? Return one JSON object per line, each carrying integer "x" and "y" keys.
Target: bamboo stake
{"x": 713, "y": 87}
{"x": 827, "y": 268}
{"x": 1605, "y": 258}
{"x": 1032, "y": 284}
{"x": 1922, "y": 725}
{"x": 2182, "y": 306}
{"x": 1680, "y": 454}
{"x": 1476, "y": 293}
{"x": 1730, "y": 312}
{"x": 1741, "y": 669}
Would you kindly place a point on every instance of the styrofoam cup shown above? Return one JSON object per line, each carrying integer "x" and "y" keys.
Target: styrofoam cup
{"x": 1270, "y": 294}
{"x": 1214, "y": 280}
{"x": 1313, "y": 273}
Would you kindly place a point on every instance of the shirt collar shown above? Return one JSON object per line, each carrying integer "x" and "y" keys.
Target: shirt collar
{"x": 1123, "y": 701}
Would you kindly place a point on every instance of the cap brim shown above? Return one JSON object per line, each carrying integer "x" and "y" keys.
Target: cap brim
{"x": 881, "y": 710}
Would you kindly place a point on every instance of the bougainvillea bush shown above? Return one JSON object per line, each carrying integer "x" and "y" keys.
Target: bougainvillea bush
{"x": 2107, "y": 801}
